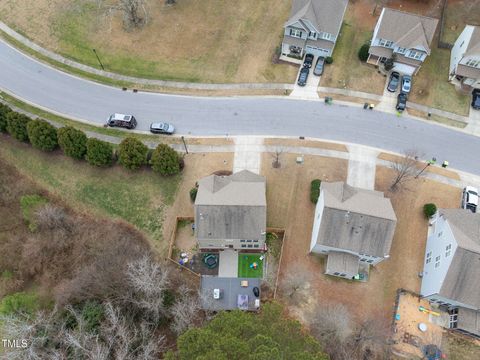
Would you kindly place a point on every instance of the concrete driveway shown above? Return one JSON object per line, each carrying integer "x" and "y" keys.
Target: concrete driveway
{"x": 309, "y": 91}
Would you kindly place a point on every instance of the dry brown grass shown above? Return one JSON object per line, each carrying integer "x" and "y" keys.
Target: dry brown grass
{"x": 436, "y": 118}
{"x": 348, "y": 98}
{"x": 305, "y": 143}
{"x": 194, "y": 40}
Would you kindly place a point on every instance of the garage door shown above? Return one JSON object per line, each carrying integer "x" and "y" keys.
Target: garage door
{"x": 404, "y": 69}
{"x": 317, "y": 51}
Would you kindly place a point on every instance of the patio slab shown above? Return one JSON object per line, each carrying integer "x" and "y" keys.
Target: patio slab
{"x": 228, "y": 265}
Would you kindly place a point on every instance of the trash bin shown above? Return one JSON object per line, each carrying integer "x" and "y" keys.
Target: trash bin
{"x": 328, "y": 100}
{"x": 365, "y": 106}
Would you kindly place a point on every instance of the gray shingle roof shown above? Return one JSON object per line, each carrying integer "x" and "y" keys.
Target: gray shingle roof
{"x": 469, "y": 320}
{"x": 358, "y": 220}
{"x": 325, "y": 15}
{"x": 462, "y": 280}
{"x": 231, "y": 207}
{"x": 406, "y": 29}
{"x": 342, "y": 262}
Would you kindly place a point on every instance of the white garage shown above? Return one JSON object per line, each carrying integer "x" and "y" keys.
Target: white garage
{"x": 317, "y": 51}
{"x": 404, "y": 69}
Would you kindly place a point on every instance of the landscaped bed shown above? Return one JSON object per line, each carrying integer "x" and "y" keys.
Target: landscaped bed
{"x": 246, "y": 268}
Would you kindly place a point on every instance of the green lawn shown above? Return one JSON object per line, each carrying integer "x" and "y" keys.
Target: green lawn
{"x": 139, "y": 197}
{"x": 244, "y": 262}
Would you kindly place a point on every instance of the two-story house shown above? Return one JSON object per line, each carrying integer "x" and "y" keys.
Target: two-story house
{"x": 313, "y": 27}
{"x": 451, "y": 271}
{"x": 230, "y": 212}
{"x": 465, "y": 59}
{"x": 404, "y": 37}
{"x": 352, "y": 226}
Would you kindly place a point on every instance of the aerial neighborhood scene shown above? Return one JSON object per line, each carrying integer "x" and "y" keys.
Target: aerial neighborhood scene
{"x": 218, "y": 179}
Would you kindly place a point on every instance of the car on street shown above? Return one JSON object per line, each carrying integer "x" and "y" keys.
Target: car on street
{"x": 122, "y": 120}
{"x": 307, "y": 62}
{"x": 162, "y": 128}
{"x": 318, "y": 70}
{"x": 302, "y": 78}
{"x": 470, "y": 198}
{"x": 401, "y": 102}
{"x": 393, "y": 82}
{"x": 476, "y": 99}
{"x": 406, "y": 84}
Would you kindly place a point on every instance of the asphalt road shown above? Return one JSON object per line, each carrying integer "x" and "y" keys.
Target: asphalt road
{"x": 81, "y": 99}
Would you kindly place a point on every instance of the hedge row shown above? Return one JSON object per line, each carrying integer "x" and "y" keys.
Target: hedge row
{"x": 132, "y": 153}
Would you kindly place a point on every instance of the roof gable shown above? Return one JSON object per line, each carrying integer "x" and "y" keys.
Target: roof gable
{"x": 414, "y": 38}
{"x": 473, "y": 48}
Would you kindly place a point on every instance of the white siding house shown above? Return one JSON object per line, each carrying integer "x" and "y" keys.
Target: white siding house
{"x": 465, "y": 59}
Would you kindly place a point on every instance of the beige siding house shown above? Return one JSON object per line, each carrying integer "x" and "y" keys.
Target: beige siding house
{"x": 231, "y": 212}
{"x": 405, "y": 37}
{"x": 352, "y": 226}
{"x": 313, "y": 27}
{"x": 465, "y": 59}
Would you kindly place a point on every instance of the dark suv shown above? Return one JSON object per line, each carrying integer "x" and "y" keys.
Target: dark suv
{"x": 476, "y": 99}
{"x": 122, "y": 120}
{"x": 302, "y": 78}
{"x": 308, "y": 61}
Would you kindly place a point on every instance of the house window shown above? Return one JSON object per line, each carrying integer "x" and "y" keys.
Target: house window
{"x": 417, "y": 55}
{"x": 343, "y": 275}
{"x": 453, "y": 318}
{"x": 327, "y": 36}
{"x": 437, "y": 261}
{"x": 363, "y": 259}
{"x": 369, "y": 261}
{"x": 255, "y": 240}
{"x": 243, "y": 245}
{"x": 249, "y": 245}
{"x": 429, "y": 257}
{"x": 473, "y": 63}
{"x": 385, "y": 43}
{"x": 249, "y": 240}
{"x": 440, "y": 233}
{"x": 312, "y": 34}
{"x": 336, "y": 273}
{"x": 448, "y": 250}
{"x": 256, "y": 246}
{"x": 242, "y": 241}
{"x": 296, "y": 33}
{"x": 401, "y": 50}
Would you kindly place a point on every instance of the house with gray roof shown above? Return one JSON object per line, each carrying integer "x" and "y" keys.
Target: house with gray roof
{"x": 451, "y": 270}
{"x": 465, "y": 59}
{"x": 313, "y": 27}
{"x": 404, "y": 37}
{"x": 231, "y": 212}
{"x": 352, "y": 226}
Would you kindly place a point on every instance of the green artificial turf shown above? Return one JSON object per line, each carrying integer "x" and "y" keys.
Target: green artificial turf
{"x": 244, "y": 270}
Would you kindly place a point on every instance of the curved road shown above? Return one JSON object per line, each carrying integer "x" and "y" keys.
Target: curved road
{"x": 59, "y": 92}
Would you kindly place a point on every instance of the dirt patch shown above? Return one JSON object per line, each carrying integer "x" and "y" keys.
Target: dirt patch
{"x": 431, "y": 169}
{"x": 305, "y": 143}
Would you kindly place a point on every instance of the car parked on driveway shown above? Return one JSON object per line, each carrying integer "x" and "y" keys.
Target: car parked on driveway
{"x": 308, "y": 60}
{"x": 162, "y": 128}
{"x": 476, "y": 99}
{"x": 470, "y": 198}
{"x": 302, "y": 78}
{"x": 406, "y": 84}
{"x": 401, "y": 102}
{"x": 318, "y": 70}
{"x": 122, "y": 120}
{"x": 393, "y": 82}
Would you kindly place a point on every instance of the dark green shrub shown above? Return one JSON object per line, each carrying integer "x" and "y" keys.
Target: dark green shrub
{"x": 29, "y": 204}
{"x": 73, "y": 142}
{"x": 132, "y": 153}
{"x": 42, "y": 135}
{"x": 21, "y": 302}
{"x": 168, "y": 298}
{"x": 429, "y": 210}
{"x": 165, "y": 160}
{"x": 329, "y": 60}
{"x": 17, "y": 125}
{"x": 315, "y": 190}
{"x": 99, "y": 153}
{"x": 93, "y": 314}
{"x": 4, "y": 110}
{"x": 363, "y": 52}
{"x": 193, "y": 193}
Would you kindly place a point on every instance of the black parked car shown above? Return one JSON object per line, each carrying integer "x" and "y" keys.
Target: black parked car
{"x": 302, "y": 78}
{"x": 394, "y": 81}
{"x": 401, "y": 102}
{"x": 308, "y": 60}
{"x": 476, "y": 99}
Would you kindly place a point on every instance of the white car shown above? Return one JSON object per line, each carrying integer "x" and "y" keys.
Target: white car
{"x": 470, "y": 198}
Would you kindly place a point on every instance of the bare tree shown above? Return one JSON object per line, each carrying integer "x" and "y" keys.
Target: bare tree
{"x": 276, "y": 158}
{"x": 52, "y": 217}
{"x": 185, "y": 311}
{"x": 134, "y": 13}
{"x": 149, "y": 282}
{"x": 296, "y": 284}
{"x": 405, "y": 168}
